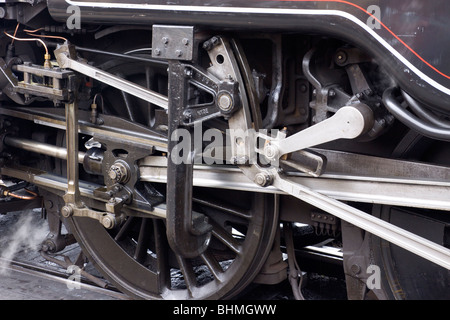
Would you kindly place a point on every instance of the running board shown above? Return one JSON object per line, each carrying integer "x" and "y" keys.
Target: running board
{"x": 368, "y": 180}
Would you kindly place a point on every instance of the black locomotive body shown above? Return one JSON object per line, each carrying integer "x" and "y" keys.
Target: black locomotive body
{"x": 402, "y": 35}
{"x": 184, "y": 144}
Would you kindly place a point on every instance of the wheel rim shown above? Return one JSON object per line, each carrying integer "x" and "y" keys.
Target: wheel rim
{"x": 406, "y": 275}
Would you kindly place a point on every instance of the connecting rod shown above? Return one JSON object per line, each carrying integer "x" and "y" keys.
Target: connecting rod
{"x": 348, "y": 122}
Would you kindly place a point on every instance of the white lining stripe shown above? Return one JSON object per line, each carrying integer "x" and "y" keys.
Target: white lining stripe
{"x": 270, "y": 11}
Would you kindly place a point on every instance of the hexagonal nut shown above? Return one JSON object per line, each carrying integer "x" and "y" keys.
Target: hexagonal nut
{"x": 118, "y": 172}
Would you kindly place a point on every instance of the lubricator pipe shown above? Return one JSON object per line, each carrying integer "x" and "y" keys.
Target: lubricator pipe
{"x": 40, "y": 147}
{"x": 424, "y": 113}
{"x": 407, "y": 118}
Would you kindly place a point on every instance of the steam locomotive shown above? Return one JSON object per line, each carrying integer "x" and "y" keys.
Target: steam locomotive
{"x": 184, "y": 144}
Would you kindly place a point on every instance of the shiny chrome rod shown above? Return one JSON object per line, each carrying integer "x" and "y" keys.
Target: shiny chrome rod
{"x": 40, "y": 147}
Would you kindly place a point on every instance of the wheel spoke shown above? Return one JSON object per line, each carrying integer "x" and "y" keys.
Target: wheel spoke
{"x": 150, "y": 107}
{"x": 213, "y": 265}
{"x": 226, "y": 238}
{"x": 128, "y": 103}
{"x": 143, "y": 239}
{"x": 187, "y": 270}
{"x": 124, "y": 229}
{"x": 162, "y": 250}
{"x": 127, "y": 100}
{"x": 229, "y": 209}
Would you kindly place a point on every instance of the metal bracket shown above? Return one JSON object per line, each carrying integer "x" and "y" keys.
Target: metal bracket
{"x": 173, "y": 42}
{"x": 324, "y": 224}
{"x": 74, "y": 206}
{"x": 327, "y": 98}
{"x": 52, "y": 85}
{"x": 224, "y": 96}
{"x": 319, "y": 160}
{"x": 107, "y": 219}
{"x": 186, "y": 237}
{"x": 225, "y": 66}
{"x": 189, "y": 232}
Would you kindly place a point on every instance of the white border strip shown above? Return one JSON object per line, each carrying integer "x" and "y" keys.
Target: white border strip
{"x": 269, "y": 11}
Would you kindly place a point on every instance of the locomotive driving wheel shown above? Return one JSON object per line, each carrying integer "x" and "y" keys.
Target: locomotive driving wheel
{"x": 136, "y": 256}
{"x": 406, "y": 276}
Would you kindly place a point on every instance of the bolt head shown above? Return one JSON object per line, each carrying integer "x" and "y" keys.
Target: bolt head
{"x": 48, "y": 246}
{"x": 355, "y": 269}
{"x": 108, "y": 222}
{"x": 187, "y": 115}
{"x": 341, "y": 57}
{"x": 188, "y": 72}
{"x": 215, "y": 41}
{"x": 207, "y": 45}
{"x": 49, "y": 204}
{"x": 112, "y": 173}
{"x": 225, "y": 102}
{"x": 118, "y": 172}
{"x": 271, "y": 152}
{"x": 66, "y": 211}
{"x": 263, "y": 179}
